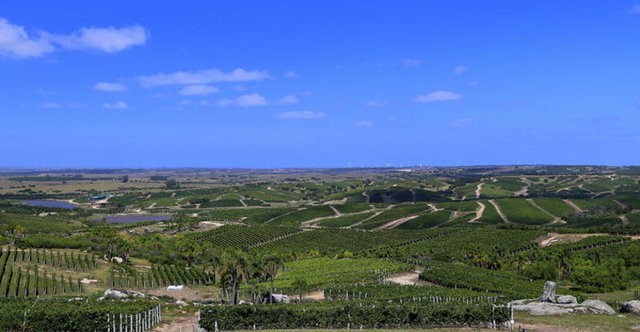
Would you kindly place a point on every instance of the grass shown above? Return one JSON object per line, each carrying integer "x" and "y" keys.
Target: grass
{"x": 520, "y": 211}
{"x": 602, "y": 323}
{"x": 428, "y": 220}
{"x": 554, "y": 206}
{"x": 394, "y": 213}
{"x": 490, "y": 215}
{"x": 491, "y": 190}
{"x": 328, "y": 272}
{"x": 345, "y": 220}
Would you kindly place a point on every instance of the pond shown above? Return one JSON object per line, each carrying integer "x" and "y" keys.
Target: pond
{"x": 131, "y": 218}
{"x": 50, "y": 203}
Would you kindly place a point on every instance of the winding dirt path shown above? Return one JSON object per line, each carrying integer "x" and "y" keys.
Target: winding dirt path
{"x": 500, "y": 213}
{"x": 338, "y": 213}
{"x": 396, "y": 223}
{"x": 408, "y": 278}
{"x": 573, "y": 205}
{"x": 620, "y": 204}
{"x": 479, "y": 190}
{"x": 556, "y": 219}
{"x": 625, "y": 220}
{"x": 524, "y": 191}
{"x": 479, "y": 212}
{"x": 371, "y": 217}
{"x": 182, "y": 324}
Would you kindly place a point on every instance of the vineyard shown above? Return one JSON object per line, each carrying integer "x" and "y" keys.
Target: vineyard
{"x": 381, "y": 250}
{"x": 25, "y": 273}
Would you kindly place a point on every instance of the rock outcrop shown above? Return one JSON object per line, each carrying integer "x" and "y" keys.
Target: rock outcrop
{"x": 632, "y": 307}
{"x": 548, "y": 292}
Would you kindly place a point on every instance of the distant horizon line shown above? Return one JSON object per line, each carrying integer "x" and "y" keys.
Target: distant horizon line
{"x": 53, "y": 168}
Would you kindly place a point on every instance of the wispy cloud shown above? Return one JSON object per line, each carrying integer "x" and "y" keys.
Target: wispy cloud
{"x": 110, "y": 87}
{"x": 205, "y": 76}
{"x": 108, "y": 40}
{"x": 119, "y": 105}
{"x": 288, "y": 100}
{"x": 198, "y": 90}
{"x": 375, "y": 103}
{"x": 459, "y": 70}
{"x": 411, "y": 63}
{"x": 248, "y": 100}
{"x": 464, "y": 122}
{"x": 634, "y": 9}
{"x": 363, "y": 123}
{"x": 291, "y": 74}
{"x": 50, "y": 105}
{"x": 437, "y": 96}
{"x": 300, "y": 115}
{"x": 16, "y": 41}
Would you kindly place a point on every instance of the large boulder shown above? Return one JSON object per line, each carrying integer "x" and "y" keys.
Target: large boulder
{"x": 120, "y": 294}
{"x": 543, "y": 308}
{"x": 548, "y": 292}
{"x": 566, "y": 299}
{"x": 598, "y": 307}
{"x": 632, "y": 307}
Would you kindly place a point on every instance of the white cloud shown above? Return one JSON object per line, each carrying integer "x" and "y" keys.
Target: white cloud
{"x": 198, "y": 90}
{"x": 119, "y": 105}
{"x": 110, "y": 87}
{"x": 300, "y": 115}
{"x": 288, "y": 100}
{"x": 459, "y": 70}
{"x": 291, "y": 74}
{"x": 253, "y": 99}
{"x": 464, "y": 122}
{"x": 109, "y": 40}
{"x": 438, "y": 96}
{"x": 16, "y": 41}
{"x": 364, "y": 123}
{"x": 411, "y": 63}
{"x": 205, "y": 76}
{"x": 634, "y": 9}
{"x": 248, "y": 100}
{"x": 375, "y": 103}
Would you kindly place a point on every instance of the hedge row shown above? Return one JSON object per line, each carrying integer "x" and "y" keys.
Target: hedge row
{"x": 342, "y": 315}
{"x": 62, "y": 315}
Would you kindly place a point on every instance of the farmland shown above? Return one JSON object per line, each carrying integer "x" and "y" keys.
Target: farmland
{"x": 332, "y": 239}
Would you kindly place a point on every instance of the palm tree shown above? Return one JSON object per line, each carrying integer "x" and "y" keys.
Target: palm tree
{"x": 272, "y": 265}
{"x": 234, "y": 268}
{"x": 300, "y": 286}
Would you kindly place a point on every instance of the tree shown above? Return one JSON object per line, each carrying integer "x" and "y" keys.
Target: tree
{"x": 125, "y": 179}
{"x": 272, "y": 264}
{"x": 171, "y": 184}
{"x": 180, "y": 222}
{"x": 233, "y": 267}
{"x": 300, "y": 286}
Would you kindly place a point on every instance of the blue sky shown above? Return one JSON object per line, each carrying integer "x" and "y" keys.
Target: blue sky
{"x": 318, "y": 83}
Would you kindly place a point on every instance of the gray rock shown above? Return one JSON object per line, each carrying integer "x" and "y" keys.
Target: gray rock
{"x": 120, "y": 294}
{"x": 548, "y": 292}
{"x": 598, "y": 307}
{"x": 181, "y": 303}
{"x": 543, "y": 308}
{"x": 566, "y": 299}
{"x": 117, "y": 260}
{"x": 631, "y": 307}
